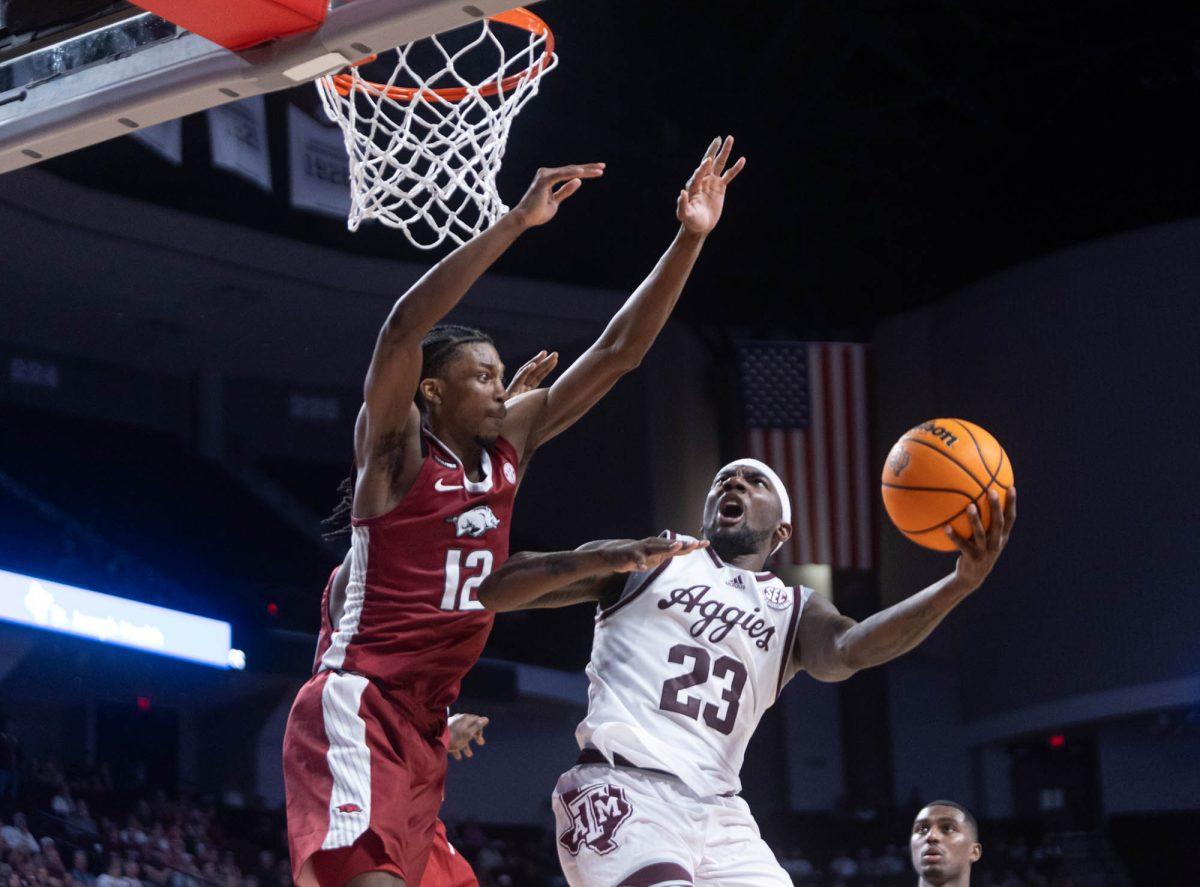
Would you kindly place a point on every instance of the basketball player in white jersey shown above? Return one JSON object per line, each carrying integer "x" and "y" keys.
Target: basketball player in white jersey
{"x": 693, "y": 642}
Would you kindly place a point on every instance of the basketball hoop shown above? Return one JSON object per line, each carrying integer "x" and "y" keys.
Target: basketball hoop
{"x": 425, "y": 149}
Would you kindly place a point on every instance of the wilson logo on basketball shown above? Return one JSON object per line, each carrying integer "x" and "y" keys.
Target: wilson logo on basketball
{"x": 349, "y": 808}
{"x": 899, "y": 461}
{"x": 939, "y": 432}
{"x": 596, "y": 812}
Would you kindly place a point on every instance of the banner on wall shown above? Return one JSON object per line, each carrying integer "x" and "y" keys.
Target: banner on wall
{"x": 320, "y": 180}
{"x": 237, "y": 138}
{"x": 52, "y": 606}
{"x": 165, "y": 140}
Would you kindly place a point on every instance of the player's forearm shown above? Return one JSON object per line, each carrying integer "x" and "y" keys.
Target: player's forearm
{"x": 634, "y": 328}
{"x": 893, "y": 632}
{"x": 525, "y": 578}
{"x": 442, "y": 287}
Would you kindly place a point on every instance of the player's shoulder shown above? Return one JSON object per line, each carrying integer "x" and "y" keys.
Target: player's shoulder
{"x": 507, "y": 451}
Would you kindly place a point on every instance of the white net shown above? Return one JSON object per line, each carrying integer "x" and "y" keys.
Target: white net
{"x": 425, "y": 148}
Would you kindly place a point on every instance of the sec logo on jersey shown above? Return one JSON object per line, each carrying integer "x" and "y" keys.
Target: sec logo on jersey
{"x": 510, "y": 473}
{"x": 779, "y": 598}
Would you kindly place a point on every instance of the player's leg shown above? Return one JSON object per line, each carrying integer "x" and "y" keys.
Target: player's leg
{"x": 735, "y": 855}
{"x": 376, "y": 879}
{"x": 620, "y": 827}
{"x": 363, "y": 783}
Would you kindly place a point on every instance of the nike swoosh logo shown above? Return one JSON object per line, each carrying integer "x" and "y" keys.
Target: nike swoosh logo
{"x": 444, "y": 488}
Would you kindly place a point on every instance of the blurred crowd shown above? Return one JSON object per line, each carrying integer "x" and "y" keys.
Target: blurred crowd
{"x": 86, "y": 828}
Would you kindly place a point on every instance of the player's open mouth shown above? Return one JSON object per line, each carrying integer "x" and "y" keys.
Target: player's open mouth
{"x": 730, "y": 511}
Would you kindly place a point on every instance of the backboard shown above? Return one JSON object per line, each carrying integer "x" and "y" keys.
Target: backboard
{"x": 131, "y": 69}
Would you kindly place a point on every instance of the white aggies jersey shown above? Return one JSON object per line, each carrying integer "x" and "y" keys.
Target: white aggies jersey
{"x": 684, "y": 665}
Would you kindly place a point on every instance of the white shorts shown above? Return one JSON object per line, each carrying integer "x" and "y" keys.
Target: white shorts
{"x": 622, "y": 827}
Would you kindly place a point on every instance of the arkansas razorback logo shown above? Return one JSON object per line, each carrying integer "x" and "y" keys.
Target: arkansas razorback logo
{"x": 349, "y": 808}
{"x": 596, "y": 812}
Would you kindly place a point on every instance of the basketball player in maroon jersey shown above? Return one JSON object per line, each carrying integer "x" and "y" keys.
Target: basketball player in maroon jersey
{"x": 439, "y": 453}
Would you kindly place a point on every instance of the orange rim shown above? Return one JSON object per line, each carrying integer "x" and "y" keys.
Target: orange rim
{"x": 517, "y": 18}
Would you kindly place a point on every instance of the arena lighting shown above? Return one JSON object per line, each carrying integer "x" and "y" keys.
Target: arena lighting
{"x": 39, "y": 603}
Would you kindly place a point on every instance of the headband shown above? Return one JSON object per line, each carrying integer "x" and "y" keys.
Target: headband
{"x": 785, "y": 501}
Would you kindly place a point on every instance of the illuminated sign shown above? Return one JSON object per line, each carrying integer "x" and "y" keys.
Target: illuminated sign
{"x": 113, "y": 620}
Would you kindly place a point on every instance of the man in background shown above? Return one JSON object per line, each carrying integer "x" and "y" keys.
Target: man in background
{"x": 945, "y": 844}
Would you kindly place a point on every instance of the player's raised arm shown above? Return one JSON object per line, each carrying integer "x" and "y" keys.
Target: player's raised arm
{"x": 832, "y": 647}
{"x": 560, "y": 578}
{"x": 540, "y": 415}
{"x": 392, "y": 376}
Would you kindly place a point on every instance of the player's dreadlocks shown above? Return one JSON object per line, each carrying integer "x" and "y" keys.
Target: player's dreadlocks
{"x": 437, "y": 348}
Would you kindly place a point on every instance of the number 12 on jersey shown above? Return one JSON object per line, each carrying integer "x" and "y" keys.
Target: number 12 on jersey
{"x": 458, "y": 596}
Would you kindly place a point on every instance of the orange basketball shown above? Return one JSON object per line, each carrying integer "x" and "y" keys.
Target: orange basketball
{"x": 935, "y": 471}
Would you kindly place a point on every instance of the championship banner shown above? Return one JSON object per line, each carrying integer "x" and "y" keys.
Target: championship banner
{"x": 237, "y": 138}
{"x": 165, "y": 140}
{"x": 320, "y": 178}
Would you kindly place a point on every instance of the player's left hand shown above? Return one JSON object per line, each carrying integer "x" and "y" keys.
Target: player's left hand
{"x": 699, "y": 205}
{"x": 642, "y": 555}
{"x": 463, "y": 729}
{"x": 532, "y": 373}
{"x": 979, "y": 554}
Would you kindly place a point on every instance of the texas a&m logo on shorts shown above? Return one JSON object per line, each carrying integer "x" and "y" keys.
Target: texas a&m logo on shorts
{"x": 596, "y": 812}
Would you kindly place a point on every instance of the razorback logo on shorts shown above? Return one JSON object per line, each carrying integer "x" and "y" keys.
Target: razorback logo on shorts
{"x": 596, "y": 812}
{"x": 349, "y": 808}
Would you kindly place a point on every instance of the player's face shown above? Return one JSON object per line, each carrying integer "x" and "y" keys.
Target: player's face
{"x": 943, "y": 846}
{"x": 741, "y": 513}
{"x": 472, "y": 393}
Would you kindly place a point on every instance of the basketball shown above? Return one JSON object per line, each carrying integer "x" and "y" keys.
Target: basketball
{"x": 935, "y": 471}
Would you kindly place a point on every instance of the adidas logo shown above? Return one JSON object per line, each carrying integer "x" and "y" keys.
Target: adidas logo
{"x": 737, "y": 582}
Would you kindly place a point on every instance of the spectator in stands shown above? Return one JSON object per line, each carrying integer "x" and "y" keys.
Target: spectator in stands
{"x": 890, "y": 863}
{"x": 794, "y": 863}
{"x": 113, "y": 875}
{"x": 945, "y": 844}
{"x": 63, "y": 804}
{"x": 80, "y": 824}
{"x": 80, "y": 870}
{"x": 842, "y": 866}
{"x": 17, "y": 836}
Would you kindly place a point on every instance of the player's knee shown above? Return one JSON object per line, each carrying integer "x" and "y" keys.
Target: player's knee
{"x": 375, "y": 879}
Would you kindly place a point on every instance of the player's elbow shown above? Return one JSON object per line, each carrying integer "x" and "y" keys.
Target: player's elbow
{"x": 620, "y": 356}
{"x": 848, "y": 658}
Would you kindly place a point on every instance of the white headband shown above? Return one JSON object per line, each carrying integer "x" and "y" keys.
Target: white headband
{"x": 785, "y": 502}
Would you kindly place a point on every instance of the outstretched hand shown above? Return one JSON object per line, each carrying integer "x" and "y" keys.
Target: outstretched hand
{"x": 699, "y": 205}
{"x": 979, "y": 554}
{"x": 550, "y": 188}
{"x": 532, "y": 373}
{"x": 628, "y": 555}
{"x": 463, "y": 729}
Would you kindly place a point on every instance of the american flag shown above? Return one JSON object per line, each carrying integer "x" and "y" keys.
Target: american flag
{"x": 805, "y": 410}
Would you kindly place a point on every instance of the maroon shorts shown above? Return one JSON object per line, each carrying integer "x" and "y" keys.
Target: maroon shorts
{"x": 446, "y": 866}
{"x": 364, "y": 779}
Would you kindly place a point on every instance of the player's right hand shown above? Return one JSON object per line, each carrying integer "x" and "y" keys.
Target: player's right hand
{"x": 531, "y": 374}
{"x": 542, "y": 200}
{"x": 463, "y": 729}
{"x": 628, "y": 555}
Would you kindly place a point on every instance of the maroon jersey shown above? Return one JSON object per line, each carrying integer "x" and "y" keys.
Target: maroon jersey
{"x": 411, "y": 621}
